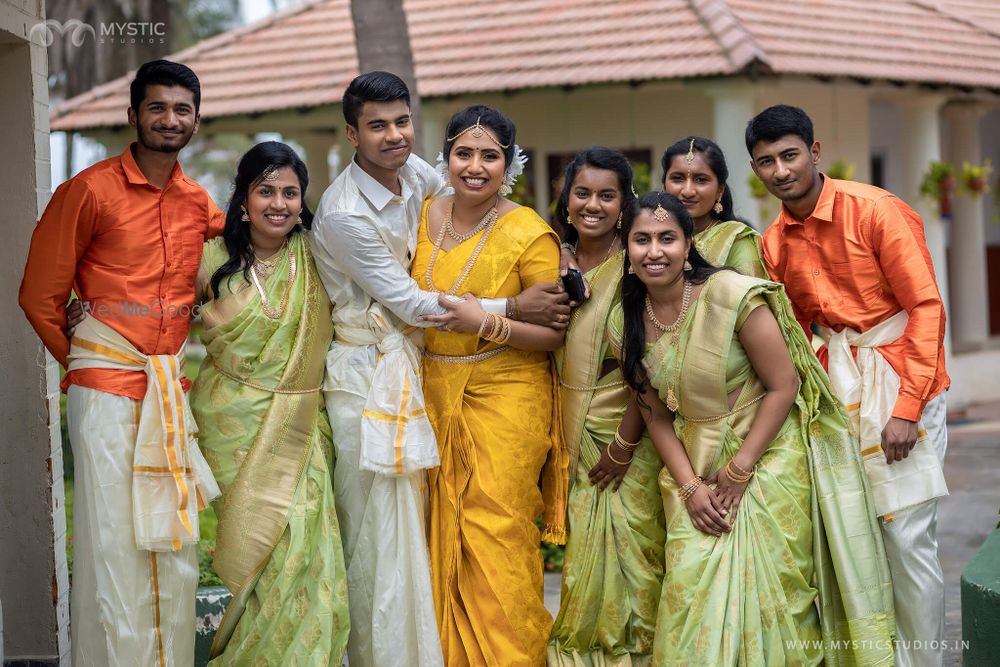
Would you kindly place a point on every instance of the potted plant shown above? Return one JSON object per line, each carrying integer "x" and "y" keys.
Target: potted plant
{"x": 842, "y": 170}
{"x": 939, "y": 184}
{"x": 975, "y": 177}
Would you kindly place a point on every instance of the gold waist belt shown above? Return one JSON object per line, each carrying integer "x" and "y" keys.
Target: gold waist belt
{"x": 738, "y": 408}
{"x": 466, "y": 358}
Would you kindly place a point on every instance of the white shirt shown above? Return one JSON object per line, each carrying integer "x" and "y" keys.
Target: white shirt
{"x": 364, "y": 238}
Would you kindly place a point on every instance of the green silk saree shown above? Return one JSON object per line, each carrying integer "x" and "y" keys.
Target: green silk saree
{"x": 264, "y": 431}
{"x": 806, "y": 525}
{"x": 613, "y": 565}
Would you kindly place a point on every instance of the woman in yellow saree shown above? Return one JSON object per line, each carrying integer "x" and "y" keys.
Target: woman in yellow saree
{"x": 491, "y": 398}
{"x": 695, "y": 171}
{"x": 263, "y": 426}
{"x": 766, "y": 502}
{"x": 613, "y": 566}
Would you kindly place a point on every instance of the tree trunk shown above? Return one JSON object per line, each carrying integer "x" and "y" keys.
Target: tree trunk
{"x": 383, "y": 43}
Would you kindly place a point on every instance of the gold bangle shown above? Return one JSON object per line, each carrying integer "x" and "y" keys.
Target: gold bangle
{"x": 740, "y": 469}
{"x": 736, "y": 477}
{"x": 688, "y": 489}
{"x": 504, "y": 331}
{"x": 482, "y": 325}
{"x": 612, "y": 456}
{"x": 623, "y": 443}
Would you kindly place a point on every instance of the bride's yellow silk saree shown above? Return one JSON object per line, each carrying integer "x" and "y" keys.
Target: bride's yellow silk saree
{"x": 503, "y": 460}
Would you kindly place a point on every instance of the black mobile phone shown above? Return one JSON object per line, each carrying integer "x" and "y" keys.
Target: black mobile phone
{"x": 574, "y": 285}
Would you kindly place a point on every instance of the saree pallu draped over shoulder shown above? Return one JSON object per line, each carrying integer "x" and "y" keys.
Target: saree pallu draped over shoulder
{"x": 613, "y": 567}
{"x": 747, "y": 597}
{"x": 266, "y": 436}
{"x": 503, "y": 459}
{"x": 732, "y": 244}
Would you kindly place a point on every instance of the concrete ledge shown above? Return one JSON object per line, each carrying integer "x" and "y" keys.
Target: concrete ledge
{"x": 981, "y": 605}
{"x": 210, "y": 604}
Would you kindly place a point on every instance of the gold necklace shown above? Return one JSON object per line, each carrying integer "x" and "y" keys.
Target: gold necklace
{"x": 611, "y": 248}
{"x": 271, "y": 312}
{"x": 493, "y": 216}
{"x": 267, "y": 265}
{"x": 685, "y": 302}
{"x": 462, "y": 238}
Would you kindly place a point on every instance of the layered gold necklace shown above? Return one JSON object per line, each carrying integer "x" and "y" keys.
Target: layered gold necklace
{"x": 266, "y": 267}
{"x": 490, "y": 220}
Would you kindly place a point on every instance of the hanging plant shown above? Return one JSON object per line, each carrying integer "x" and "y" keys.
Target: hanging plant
{"x": 975, "y": 178}
{"x": 939, "y": 184}
{"x": 842, "y": 170}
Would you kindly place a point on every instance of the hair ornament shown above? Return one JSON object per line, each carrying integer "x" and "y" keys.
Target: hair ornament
{"x": 478, "y": 131}
{"x": 689, "y": 158}
{"x": 661, "y": 214}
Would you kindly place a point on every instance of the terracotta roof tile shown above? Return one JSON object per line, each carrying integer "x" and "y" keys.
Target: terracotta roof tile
{"x": 513, "y": 44}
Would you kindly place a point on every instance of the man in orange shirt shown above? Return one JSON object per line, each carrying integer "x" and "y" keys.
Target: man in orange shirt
{"x": 855, "y": 263}
{"x": 127, "y": 235}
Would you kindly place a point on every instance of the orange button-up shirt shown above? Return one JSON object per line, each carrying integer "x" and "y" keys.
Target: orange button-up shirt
{"x": 130, "y": 250}
{"x": 857, "y": 260}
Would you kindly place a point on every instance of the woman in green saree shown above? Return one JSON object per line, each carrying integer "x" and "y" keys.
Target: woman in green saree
{"x": 695, "y": 171}
{"x": 263, "y": 426}
{"x": 613, "y": 565}
{"x": 765, "y": 498}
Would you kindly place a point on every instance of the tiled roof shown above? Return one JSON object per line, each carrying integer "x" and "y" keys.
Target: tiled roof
{"x": 305, "y": 56}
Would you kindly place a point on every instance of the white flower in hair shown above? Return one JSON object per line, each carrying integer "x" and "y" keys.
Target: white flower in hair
{"x": 514, "y": 169}
{"x": 442, "y": 166}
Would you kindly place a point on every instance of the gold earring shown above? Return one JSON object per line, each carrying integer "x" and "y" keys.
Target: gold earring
{"x": 718, "y": 206}
{"x": 631, "y": 271}
{"x": 687, "y": 264}
{"x": 619, "y": 223}
{"x": 246, "y": 216}
{"x": 569, "y": 219}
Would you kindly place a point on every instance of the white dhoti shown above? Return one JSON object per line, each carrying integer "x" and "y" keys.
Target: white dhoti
{"x": 139, "y": 483}
{"x": 129, "y": 606}
{"x": 905, "y": 492}
{"x": 382, "y": 515}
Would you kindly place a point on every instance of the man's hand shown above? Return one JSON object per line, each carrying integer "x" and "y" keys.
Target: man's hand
{"x": 74, "y": 315}
{"x": 545, "y": 304}
{"x": 898, "y": 438}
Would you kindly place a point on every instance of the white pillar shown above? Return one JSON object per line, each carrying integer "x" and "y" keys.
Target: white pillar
{"x": 967, "y": 274}
{"x": 732, "y": 108}
{"x": 317, "y": 145}
{"x": 921, "y": 132}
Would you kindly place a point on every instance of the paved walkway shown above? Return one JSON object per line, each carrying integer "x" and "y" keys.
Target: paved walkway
{"x": 965, "y": 518}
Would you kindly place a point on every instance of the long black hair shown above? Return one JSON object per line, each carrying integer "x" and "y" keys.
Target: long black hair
{"x": 597, "y": 157}
{"x": 634, "y": 291}
{"x": 263, "y": 157}
{"x": 716, "y": 161}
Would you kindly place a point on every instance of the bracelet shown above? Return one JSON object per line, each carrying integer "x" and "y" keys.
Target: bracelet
{"x": 504, "y": 331}
{"x": 517, "y": 308}
{"x": 688, "y": 489}
{"x": 482, "y": 325}
{"x": 569, "y": 246}
{"x": 736, "y": 477}
{"x": 509, "y": 310}
{"x": 740, "y": 469}
{"x": 612, "y": 456}
{"x": 623, "y": 443}
{"x": 498, "y": 330}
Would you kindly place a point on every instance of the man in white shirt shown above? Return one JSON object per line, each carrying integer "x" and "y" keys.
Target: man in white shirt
{"x": 364, "y": 236}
